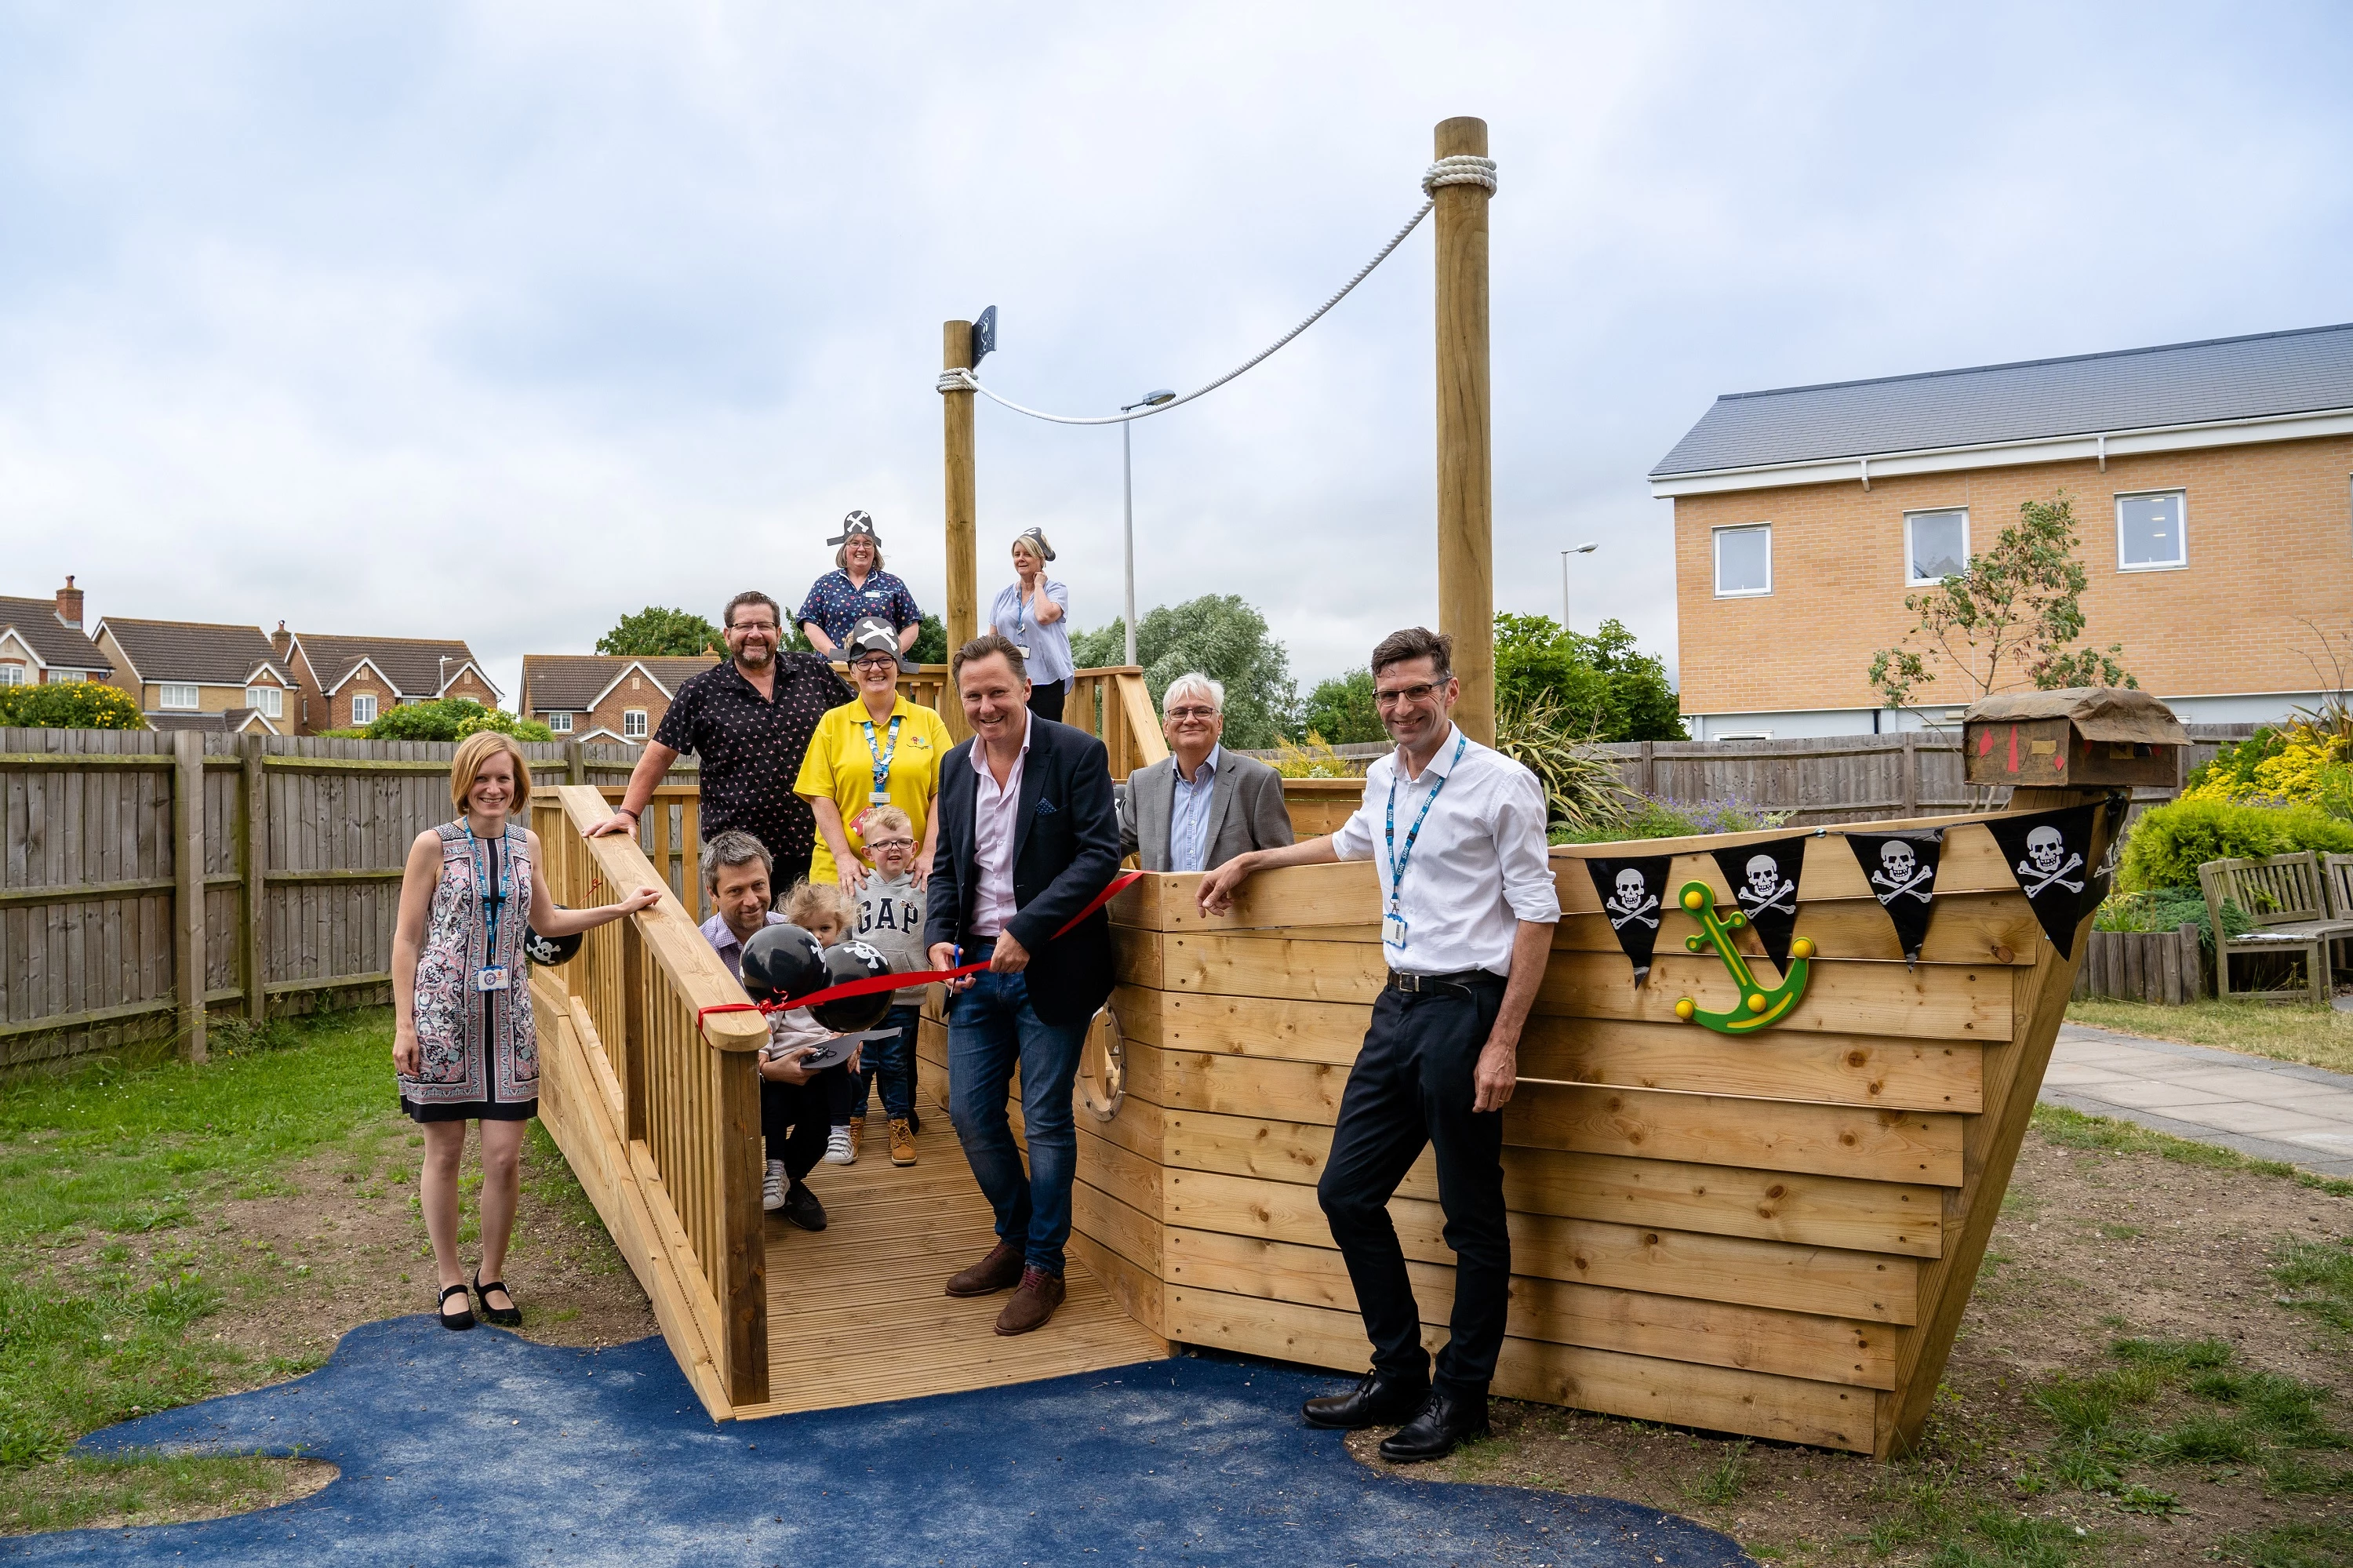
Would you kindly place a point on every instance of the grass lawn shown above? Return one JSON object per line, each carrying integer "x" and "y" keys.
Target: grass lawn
{"x": 179, "y": 1231}
{"x": 2319, "y": 1037}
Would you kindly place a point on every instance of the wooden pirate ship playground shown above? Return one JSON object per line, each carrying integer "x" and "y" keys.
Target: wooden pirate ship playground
{"x": 1750, "y": 1193}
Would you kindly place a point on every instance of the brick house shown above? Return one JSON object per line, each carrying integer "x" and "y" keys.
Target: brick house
{"x": 346, "y": 682}
{"x": 2213, "y": 490}
{"x": 42, "y": 640}
{"x": 603, "y": 696}
{"x": 187, "y": 675}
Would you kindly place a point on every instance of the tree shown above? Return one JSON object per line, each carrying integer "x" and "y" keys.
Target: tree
{"x": 70, "y": 704}
{"x": 2007, "y": 619}
{"x": 1221, "y": 636}
{"x": 654, "y": 630}
{"x": 1340, "y": 710}
{"x": 931, "y": 643}
{"x": 451, "y": 719}
{"x": 1602, "y": 684}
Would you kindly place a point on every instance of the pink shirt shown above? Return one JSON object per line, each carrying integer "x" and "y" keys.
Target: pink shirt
{"x": 995, "y": 812}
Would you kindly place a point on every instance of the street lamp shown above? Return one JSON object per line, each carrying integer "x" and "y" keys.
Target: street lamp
{"x": 1127, "y": 493}
{"x": 1580, "y": 550}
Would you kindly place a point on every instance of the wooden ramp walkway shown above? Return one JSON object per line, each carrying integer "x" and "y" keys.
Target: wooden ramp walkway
{"x": 856, "y": 1315}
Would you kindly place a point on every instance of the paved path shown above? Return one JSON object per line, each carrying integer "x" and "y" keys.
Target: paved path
{"x": 2271, "y": 1111}
{"x": 484, "y": 1448}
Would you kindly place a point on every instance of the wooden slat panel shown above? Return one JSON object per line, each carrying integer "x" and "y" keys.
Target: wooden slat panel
{"x": 1821, "y": 1068}
{"x": 1938, "y": 1001}
{"x": 1967, "y": 928}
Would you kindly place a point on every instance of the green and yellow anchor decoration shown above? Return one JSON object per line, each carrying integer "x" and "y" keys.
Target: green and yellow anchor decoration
{"x": 1761, "y": 1006}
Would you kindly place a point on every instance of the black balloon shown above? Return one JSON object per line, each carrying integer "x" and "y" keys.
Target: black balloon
{"x": 782, "y": 962}
{"x": 545, "y": 951}
{"x": 846, "y": 962}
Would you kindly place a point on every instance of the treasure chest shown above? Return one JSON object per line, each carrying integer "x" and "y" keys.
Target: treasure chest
{"x": 2085, "y": 736}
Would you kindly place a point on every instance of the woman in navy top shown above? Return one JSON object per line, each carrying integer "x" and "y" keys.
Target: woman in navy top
{"x": 856, "y": 588}
{"x": 1034, "y": 616}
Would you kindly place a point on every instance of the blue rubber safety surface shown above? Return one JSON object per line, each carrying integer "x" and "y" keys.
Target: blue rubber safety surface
{"x": 485, "y": 1449}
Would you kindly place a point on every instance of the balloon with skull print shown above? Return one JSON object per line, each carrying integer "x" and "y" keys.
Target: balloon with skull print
{"x": 1901, "y": 868}
{"x": 2050, "y": 854}
{"x": 1633, "y": 891}
{"x": 1764, "y": 879}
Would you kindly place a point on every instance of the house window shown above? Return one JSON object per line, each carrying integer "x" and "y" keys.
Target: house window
{"x": 560, "y": 724}
{"x": 633, "y": 724}
{"x": 271, "y": 700}
{"x": 1743, "y": 560}
{"x": 364, "y": 708}
{"x": 1935, "y": 545}
{"x": 2152, "y": 530}
{"x": 12, "y": 675}
{"x": 176, "y": 696}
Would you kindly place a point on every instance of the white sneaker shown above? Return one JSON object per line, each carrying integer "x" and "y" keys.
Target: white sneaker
{"x": 772, "y": 1191}
{"x": 837, "y": 1148}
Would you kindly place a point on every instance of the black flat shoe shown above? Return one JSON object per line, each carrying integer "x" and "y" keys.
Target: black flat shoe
{"x": 463, "y": 1318}
{"x": 1445, "y": 1421}
{"x": 508, "y": 1317}
{"x": 802, "y": 1208}
{"x": 1378, "y": 1399}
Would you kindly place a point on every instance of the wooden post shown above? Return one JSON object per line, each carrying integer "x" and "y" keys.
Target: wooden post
{"x": 963, "y": 610}
{"x": 1911, "y": 772}
{"x": 188, "y": 899}
{"x": 254, "y": 854}
{"x": 575, "y": 763}
{"x": 1466, "y": 569}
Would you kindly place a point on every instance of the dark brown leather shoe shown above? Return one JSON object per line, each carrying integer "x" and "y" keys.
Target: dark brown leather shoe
{"x": 1033, "y": 1304}
{"x": 1000, "y": 1270}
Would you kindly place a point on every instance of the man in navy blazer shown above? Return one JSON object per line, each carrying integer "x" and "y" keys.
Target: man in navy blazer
{"x": 1029, "y": 835}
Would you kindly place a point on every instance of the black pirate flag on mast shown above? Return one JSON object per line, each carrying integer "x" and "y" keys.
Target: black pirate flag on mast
{"x": 1633, "y": 894}
{"x": 1764, "y": 879}
{"x": 1902, "y": 870}
{"x": 2049, "y": 853}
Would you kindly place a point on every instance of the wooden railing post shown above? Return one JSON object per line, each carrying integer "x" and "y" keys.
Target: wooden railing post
{"x": 254, "y": 851}
{"x": 634, "y": 1002}
{"x": 963, "y": 610}
{"x": 743, "y": 1160}
{"x": 188, "y": 874}
{"x": 1466, "y": 581}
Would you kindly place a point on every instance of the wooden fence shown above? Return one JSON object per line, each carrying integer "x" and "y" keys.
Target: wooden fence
{"x": 2166, "y": 966}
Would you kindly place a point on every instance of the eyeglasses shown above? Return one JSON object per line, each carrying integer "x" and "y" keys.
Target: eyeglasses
{"x": 1192, "y": 712}
{"x": 1405, "y": 696}
{"x": 874, "y": 662}
{"x": 890, "y": 843}
{"x": 754, "y": 626}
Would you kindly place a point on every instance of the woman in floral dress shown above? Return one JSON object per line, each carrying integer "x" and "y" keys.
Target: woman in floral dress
{"x": 463, "y": 1047}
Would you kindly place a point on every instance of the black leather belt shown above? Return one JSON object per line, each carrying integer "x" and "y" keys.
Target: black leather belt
{"x": 1461, "y": 982}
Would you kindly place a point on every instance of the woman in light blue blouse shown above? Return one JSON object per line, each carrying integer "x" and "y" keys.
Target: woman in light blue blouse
{"x": 1034, "y": 615}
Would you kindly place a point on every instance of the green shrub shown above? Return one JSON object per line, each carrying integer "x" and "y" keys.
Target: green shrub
{"x": 452, "y": 718}
{"x": 2170, "y": 843}
{"x": 2166, "y": 909}
{"x": 68, "y": 705}
{"x": 2233, "y": 767}
{"x": 1580, "y": 782}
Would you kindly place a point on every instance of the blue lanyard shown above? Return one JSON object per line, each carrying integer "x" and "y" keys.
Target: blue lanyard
{"x": 476, "y": 858}
{"x": 882, "y": 759}
{"x": 1397, "y": 862}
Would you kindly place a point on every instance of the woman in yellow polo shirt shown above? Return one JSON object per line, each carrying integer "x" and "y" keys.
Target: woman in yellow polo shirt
{"x": 880, "y": 749}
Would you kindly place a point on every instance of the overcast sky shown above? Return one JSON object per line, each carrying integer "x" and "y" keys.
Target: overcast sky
{"x": 497, "y": 322}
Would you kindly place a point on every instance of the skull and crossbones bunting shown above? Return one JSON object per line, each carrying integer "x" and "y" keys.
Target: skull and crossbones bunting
{"x": 1632, "y": 893}
{"x": 1764, "y": 879}
{"x": 1901, "y": 868}
{"x": 2050, "y": 854}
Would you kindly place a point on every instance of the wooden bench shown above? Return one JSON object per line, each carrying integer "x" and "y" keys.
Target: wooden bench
{"x": 2288, "y": 898}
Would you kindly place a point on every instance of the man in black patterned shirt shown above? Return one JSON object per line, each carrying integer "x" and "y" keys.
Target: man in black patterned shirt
{"x": 748, "y": 722}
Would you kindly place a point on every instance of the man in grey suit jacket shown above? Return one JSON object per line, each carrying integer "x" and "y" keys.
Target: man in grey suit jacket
{"x": 1204, "y": 805}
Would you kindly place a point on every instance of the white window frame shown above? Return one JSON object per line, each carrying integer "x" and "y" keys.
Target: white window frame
{"x": 633, "y": 724}
{"x": 358, "y": 717}
{"x": 177, "y": 695}
{"x": 1911, "y": 554}
{"x": 2173, "y": 566}
{"x": 559, "y": 722}
{"x": 12, "y": 673}
{"x": 268, "y": 701}
{"x": 1715, "y": 551}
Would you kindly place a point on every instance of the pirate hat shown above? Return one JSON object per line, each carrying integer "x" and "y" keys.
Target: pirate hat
{"x": 854, "y": 523}
{"x": 1037, "y": 537}
{"x": 875, "y": 634}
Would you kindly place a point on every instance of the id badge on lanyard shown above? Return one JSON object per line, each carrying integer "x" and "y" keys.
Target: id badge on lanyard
{"x": 1393, "y": 920}
{"x": 491, "y": 977}
{"x": 879, "y": 793}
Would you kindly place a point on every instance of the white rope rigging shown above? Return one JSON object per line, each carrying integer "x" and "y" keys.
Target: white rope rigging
{"x": 1463, "y": 171}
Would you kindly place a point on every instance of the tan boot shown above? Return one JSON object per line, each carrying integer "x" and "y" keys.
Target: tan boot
{"x": 903, "y": 1141}
{"x": 857, "y": 1136}
{"x": 1000, "y": 1270}
{"x": 1033, "y": 1304}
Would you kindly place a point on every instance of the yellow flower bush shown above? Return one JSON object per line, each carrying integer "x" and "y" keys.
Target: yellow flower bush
{"x": 2306, "y": 763}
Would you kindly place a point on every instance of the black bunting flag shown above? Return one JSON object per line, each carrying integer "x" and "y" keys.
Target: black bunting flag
{"x": 1902, "y": 870}
{"x": 1633, "y": 893}
{"x": 1764, "y": 879}
{"x": 2049, "y": 853}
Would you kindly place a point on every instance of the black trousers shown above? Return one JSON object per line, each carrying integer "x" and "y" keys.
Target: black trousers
{"x": 795, "y": 1118}
{"x": 1045, "y": 699}
{"x": 1412, "y": 1087}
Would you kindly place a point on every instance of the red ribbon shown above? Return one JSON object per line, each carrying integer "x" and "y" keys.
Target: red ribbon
{"x": 866, "y": 985}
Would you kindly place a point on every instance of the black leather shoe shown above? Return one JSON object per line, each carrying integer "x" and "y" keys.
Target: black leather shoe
{"x": 1378, "y": 1399}
{"x": 802, "y": 1208}
{"x": 1445, "y": 1420}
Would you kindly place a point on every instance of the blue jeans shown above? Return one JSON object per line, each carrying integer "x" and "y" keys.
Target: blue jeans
{"x": 894, "y": 1061}
{"x": 992, "y": 1029}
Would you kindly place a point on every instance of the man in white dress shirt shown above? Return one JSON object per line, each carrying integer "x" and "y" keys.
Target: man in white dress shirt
{"x": 1457, "y": 833}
